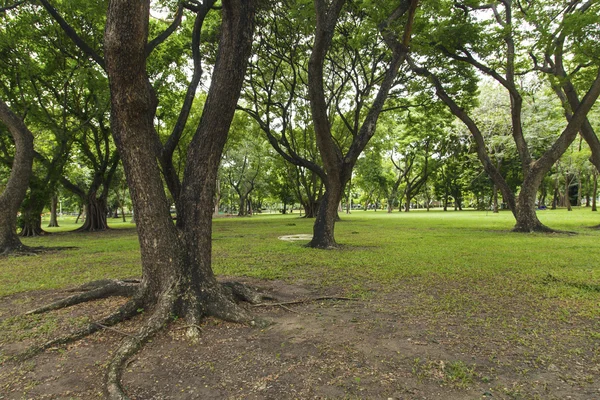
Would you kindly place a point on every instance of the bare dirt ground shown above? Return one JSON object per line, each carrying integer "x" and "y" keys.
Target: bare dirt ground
{"x": 390, "y": 344}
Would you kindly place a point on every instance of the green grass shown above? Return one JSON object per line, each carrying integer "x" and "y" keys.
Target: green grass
{"x": 456, "y": 249}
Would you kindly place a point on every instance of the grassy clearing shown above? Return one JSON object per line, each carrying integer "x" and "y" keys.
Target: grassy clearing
{"x": 378, "y": 249}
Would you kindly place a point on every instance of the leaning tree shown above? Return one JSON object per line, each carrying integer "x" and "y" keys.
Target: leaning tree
{"x": 15, "y": 189}
{"x": 489, "y": 38}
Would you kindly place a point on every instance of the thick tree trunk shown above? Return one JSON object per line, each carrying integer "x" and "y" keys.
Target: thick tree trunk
{"x": 30, "y": 221}
{"x": 243, "y": 210}
{"x": 527, "y": 220}
{"x": 53, "y": 212}
{"x": 323, "y": 229}
{"x": 95, "y": 217}
{"x": 176, "y": 259}
{"x": 16, "y": 187}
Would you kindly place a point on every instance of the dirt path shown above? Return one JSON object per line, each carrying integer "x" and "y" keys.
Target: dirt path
{"x": 388, "y": 345}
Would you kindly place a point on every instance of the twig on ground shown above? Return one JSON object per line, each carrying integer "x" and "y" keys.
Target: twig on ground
{"x": 112, "y": 329}
{"x": 287, "y": 303}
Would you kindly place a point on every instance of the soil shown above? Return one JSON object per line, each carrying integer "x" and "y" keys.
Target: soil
{"x": 389, "y": 344}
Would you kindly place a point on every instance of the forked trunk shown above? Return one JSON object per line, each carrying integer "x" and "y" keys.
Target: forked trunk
{"x": 176, "y": 259}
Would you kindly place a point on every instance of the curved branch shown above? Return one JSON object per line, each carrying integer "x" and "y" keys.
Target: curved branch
{"x": 167, "y": 32}
{"x": 68, "y": 29}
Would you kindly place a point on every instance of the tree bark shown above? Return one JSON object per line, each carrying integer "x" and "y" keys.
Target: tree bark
{"x": 16, "y": 187}
{"x": 495, "y": 199}
{"x": 324, "y": 226}
{"x": 176, "y": 259}
{"x": 95, "y": 217}
{"x": 32, "y": 207}
{"x": 53, "y": 212}
{"x": 595, "y": 191}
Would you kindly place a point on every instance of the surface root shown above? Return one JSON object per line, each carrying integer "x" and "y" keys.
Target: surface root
{"x": 241, "y": 292}
{"x": 126, "y": 311}
{"x": 94, "y": 291}
{"x": 133, "y": 343}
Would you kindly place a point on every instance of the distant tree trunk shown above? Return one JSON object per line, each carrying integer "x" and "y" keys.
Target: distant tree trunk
{"x": 579, "y": 190}
{"x": 31, "y": 218}
{"x": 567, "y": 199}
{"x": 311, "y": 209}
{"x": 495, "y": 199}
{"x": 217, "y": 198}
{"x": 81, "y": 213}
{"x": 243, "y": 209}
{"x": 95, "y": 217}
{"x": 53, "y": 211}
{"x": 542, "y": 198}
{"x": 588, "y": 199}
{"x": 595, "y": 191}
{"x": 18, "y": 181}
{"x": 555, "y": 195}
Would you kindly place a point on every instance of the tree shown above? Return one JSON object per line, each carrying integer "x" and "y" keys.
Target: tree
{"x": 461, "y": 40}
{"x": 176, "y": 258}
{"x": 14, "y": 191}
{"x": 337, "y": 163}
{"x": 348, "y": 79}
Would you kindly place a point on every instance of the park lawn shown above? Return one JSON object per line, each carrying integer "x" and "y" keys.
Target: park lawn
{"x": 497, "y": 310}
{"x": 377, "y": 249}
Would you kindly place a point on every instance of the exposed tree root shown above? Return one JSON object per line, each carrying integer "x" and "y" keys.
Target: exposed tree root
{"x": 22, "y": 250}
{"x": 541, "y": 229}
{"x": 301, "y": 301}
{"x": 132, "y": 344}
{"x": 97, "y": 290}
{"x": 219, "y": 301}
{"x": 245, "y": 293}
{"x": 127, "y": 311}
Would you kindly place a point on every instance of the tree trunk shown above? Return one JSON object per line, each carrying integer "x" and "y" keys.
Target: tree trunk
{"x": 323, "y": 229}
{"x": 243, "y": 210}
{"x": 567, "y": 198}
{"x": 176, "y": 259}
{"x": 579, "y": 190}
{"x": 495, "y": 199}
{"x": 53, "y": 211}
{"x": 16, "y": 187}
{"x": 30, "y": 221}
{"x": 311, "y": 209}
{"x": 95, "y": 217}
{"x": 527, "y": 220}
{"x": 595, "y": 191}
